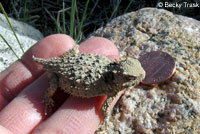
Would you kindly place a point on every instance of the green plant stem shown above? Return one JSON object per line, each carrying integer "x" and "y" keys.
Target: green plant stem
{"x": 115, "y": 10}
{"x": 63, "y": 16}
{"x": 72, "y": 16}
{"x": 1, "y": 6}
{"x": 53, "y": 18}
{"x": 82, "y": 20}
{"x": 9, "y": 46}
{"x": 131, "y": 1}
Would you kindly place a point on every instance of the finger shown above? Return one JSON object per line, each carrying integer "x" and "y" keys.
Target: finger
{"x": 77, "y": 114}
{"x": 100, "y": 46}
{"x": 3, "y": 130}
{"x": 25, "y": 111}
{"x": 25, "y": 70}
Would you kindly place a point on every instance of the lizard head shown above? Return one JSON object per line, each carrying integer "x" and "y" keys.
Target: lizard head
{"x": 131, "y": 72}
{"x": 126, "y": 73}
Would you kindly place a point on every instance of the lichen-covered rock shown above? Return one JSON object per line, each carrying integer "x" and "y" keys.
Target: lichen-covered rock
{"x": 21, "y": 28}
{"x": 172, "y": 107}
{"x": 6, "y": 55}
{"x": 26, "y": 34}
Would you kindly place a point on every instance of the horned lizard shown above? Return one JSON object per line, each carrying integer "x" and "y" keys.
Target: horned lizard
{"x": 88, "y": 75}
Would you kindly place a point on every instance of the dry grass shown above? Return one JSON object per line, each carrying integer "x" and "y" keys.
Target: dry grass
{"x": 53, "y": 16}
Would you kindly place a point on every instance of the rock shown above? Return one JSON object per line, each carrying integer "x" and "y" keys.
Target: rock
{"x": 27, "y": 35}
{"x": 21, "y": 28}
{"x": 172, "y": 107}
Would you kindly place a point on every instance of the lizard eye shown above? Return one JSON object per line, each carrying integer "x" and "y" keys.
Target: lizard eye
{"x": 109, "y": 77}
{"x": 131, "y": 77}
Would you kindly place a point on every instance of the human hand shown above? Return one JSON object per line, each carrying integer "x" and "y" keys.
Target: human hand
{"x": 23, "y": 84}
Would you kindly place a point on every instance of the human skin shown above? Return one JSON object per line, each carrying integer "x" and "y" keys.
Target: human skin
{"x": 23, "y": 84}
